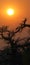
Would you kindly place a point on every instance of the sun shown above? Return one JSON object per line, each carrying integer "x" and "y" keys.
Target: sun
{"x": 10, "y": 12}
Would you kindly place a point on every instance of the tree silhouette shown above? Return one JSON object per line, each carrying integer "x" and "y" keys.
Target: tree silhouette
{"x": 13, "y": 42}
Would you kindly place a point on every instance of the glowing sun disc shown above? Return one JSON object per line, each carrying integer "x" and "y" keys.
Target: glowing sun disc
{"x": 10, "y": 11}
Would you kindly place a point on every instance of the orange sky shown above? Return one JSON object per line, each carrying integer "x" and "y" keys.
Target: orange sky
{"x": 21, "y": 8}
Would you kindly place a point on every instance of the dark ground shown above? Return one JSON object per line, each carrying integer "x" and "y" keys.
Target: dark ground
{"x": 19, "y": 58}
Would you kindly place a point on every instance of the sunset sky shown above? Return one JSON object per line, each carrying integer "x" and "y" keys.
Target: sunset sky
{"x": 21, "y": 10}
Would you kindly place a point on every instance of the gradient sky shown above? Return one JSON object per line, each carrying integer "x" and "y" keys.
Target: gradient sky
{"x": 21, "y": 8}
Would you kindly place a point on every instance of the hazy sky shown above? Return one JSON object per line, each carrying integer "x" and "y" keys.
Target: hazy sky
{"x": 21, "y": 8}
